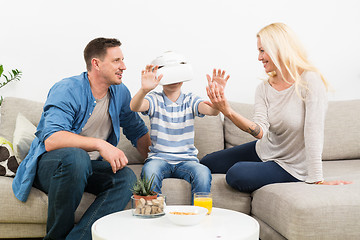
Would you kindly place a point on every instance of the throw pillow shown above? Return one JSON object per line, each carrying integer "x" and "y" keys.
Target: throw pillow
{"x": 24, "y": 134}
{"x": 8, "y": 163}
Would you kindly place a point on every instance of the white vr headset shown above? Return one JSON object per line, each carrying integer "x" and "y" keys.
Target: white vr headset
{"x": 173, "y": 67}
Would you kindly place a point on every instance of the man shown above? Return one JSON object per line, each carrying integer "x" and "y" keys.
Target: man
{"x": 75, "y": 145}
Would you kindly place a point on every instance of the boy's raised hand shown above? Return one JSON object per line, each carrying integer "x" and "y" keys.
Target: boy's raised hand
{"x": 218, "y": 78}
{"x": 149, "y": 81}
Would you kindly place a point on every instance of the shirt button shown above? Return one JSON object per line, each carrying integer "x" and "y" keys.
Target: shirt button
{"x": 90, "y": 114}
{"x": 95, "y": 101}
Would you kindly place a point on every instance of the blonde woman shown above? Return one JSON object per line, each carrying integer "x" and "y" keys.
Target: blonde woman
{"x": 288, "y": 119}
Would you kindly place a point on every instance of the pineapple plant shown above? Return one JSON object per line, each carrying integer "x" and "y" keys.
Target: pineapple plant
{"x": 146, "y": 201}
{"x": 144, "y": 186}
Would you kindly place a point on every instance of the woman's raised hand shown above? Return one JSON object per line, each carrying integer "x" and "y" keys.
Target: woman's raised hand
{"x": 216, "y": 95}
{"x": 218, "y": 77}
{"x": 149, "y": 81}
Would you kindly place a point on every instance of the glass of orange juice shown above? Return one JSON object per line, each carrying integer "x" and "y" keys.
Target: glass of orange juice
{"x": 203, "y": 199}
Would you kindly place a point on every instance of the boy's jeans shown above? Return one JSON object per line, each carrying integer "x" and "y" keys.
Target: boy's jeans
{"x": 65, "y": 174}
{"x": 198, "y": 175}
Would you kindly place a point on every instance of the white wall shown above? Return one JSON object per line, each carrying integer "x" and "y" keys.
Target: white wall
{"x": 45, "y": 39}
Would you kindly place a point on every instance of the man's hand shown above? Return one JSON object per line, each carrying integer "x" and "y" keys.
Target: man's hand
{"x": 149, "y": 81}
{"x": 113, "y": 155}
{"x": 218, "y": 78}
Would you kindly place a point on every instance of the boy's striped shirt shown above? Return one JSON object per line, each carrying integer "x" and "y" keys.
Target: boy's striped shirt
{"x": 172, "y": 127}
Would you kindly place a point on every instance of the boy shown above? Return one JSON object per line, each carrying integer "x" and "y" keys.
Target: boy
{"x": 172, "y": 151}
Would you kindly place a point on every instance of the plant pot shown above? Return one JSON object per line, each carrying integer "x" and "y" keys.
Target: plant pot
{"x": 148, "y": 197}
{"x": 148, "y": 206}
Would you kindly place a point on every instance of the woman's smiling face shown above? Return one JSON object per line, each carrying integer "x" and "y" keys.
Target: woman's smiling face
{"x": 269, "y": 65}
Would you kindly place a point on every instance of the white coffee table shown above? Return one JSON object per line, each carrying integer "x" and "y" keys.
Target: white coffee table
{"x": 221, "y": 224}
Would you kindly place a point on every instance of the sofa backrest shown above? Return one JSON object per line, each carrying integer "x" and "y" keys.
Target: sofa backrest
{"x": 209, "y": 136}
{"x": 342, "y": 129}
{"x": 10, "y": 108}
{"x": 232, "y": 134}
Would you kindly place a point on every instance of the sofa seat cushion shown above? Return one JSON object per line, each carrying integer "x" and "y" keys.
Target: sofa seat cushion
{"x": 302, "y": 211}
{"x": 15, "y": 211}
{"x": 34, "y": 210}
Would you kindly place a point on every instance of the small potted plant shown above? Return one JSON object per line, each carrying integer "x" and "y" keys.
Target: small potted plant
{"x": 145, "y": 201}
{"x": 143, "y": 188}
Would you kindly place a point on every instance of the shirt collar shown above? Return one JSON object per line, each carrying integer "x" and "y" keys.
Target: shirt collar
{"x": 179, "y": 101}
{"x": 91, "y": 96}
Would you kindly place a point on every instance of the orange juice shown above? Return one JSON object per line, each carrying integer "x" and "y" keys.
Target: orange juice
{"x": 205, "y": 202}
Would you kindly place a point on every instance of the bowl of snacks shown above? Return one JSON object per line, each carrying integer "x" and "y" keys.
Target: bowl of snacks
{"x": 185, "y": 215}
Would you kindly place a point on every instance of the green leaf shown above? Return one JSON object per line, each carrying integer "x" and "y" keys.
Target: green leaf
{"x": 143, "y": 186}
{"x": 14, "y": 75}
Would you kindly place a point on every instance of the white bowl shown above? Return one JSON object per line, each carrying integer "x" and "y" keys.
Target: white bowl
{"x": 192, "y": 214}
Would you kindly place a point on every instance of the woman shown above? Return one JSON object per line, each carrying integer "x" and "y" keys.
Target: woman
{"x": 288, "y": 119}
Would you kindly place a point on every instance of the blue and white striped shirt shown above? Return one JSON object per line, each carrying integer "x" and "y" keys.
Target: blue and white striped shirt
{"x": 172, "y": 127}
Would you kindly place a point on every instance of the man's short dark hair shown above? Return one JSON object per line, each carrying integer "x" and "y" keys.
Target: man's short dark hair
{"x": 97, "y": 49}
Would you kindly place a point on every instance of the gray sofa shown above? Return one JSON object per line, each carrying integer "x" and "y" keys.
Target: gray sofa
{"x": 284, "y": 211}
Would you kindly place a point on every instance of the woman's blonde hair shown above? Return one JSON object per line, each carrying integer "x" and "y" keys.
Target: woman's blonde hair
{"x": 285, "y": 50}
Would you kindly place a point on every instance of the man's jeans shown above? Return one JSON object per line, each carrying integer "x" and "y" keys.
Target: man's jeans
{"x": 65, "y": 174}
{"x": 198, "y": 175}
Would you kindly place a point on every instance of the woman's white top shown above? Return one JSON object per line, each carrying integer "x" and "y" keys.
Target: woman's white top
{"x": 293, "y": 128}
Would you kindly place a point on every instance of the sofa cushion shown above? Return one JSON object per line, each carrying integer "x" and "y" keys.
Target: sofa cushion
{"x": 8, "y": 162}
{"x": 234, "y": 136}
{"x": 15, "y": 211}
{"x": 342, "y": 130}
{"x": 301, "y": 211}
{"x": 24, "y": 134}
{"x": 339, "y": 143}
{"x": 10, "y": 108}
{"x": 34, "y": 210}
{"x": 22, "y": 231}
{"x": 209, "y": 135}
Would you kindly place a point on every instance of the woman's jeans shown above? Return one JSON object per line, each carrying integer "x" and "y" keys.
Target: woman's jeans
{"x": 193, "y": 172}
{"x": 244, "y": 169}
{"x": 65, "y": 174}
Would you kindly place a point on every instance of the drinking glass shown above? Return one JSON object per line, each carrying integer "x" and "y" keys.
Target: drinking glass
{"x": 203, "y": 199}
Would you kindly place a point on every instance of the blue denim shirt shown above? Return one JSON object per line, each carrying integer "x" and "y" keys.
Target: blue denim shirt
{"x": 68, "y": 107}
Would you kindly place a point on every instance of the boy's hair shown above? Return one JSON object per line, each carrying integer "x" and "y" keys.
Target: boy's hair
{"x": 97, "y": 48}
